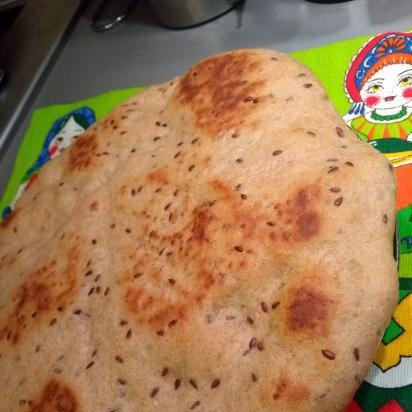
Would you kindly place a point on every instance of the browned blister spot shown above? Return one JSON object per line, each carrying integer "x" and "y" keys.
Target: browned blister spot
{"x": 222, "y": 190}
{"x": 56, "y": 397}
{"x": 220, "y": 91}
{"x": 298, "y": 217}
{"x": 158, "y": 176}
{"x": 94, "y": 206}
{"x": 307, "y": 225}
{"x": 201, "y": 221}
{"x": 285, "y": 393}
{"x": 38, "y": 298}
{"x": 159, "y": 310}
{"x": 82, "y": 152}
{"x": 309, "y": 311}
{"x": 235, "y": 212}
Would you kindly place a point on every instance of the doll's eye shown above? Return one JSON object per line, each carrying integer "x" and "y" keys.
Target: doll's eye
{"x": 405, "y": 81}
{"x": 375, "y": 88}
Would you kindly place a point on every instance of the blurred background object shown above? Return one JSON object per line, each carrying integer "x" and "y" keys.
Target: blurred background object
{"x": 9, "y": 4}
{"x": 188, "y": 13}
{"x": 328, "y": 1}
{"x": 31, "y": 32}
{"x": 110, "y": 13}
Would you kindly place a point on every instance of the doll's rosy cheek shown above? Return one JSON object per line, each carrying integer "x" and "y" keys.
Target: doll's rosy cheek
{"x": 372, "y": 100}
{"x": 407, "y": 93}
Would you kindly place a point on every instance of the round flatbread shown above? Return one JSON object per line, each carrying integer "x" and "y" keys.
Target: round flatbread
{"x": 219, "y": 243}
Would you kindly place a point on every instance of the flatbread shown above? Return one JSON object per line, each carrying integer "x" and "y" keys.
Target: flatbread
{"x": 219, "y": 243}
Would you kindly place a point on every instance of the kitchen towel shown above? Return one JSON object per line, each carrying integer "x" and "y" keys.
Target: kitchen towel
{"x": 369, "y": 80}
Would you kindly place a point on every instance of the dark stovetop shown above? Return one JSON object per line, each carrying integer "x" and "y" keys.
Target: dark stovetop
{"x": 31, "y": 32}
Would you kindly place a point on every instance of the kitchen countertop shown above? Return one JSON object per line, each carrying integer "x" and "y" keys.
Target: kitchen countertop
{"x": 141, "y": 52}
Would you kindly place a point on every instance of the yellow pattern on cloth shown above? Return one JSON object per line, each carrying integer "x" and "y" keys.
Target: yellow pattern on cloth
{"x": 390, "y": 355}
{"x": 367, "y": 130}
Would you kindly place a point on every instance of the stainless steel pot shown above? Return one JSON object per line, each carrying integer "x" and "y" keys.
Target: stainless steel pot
{"x": 187, "y": 13}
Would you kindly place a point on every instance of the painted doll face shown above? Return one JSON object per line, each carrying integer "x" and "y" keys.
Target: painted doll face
{"x": 389, "y": 87}
{"x": 65, "y": 136}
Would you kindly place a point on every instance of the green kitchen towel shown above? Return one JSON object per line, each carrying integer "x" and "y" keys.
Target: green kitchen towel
{"x": 41, "y": 123}
{"x": 369, "y": 80}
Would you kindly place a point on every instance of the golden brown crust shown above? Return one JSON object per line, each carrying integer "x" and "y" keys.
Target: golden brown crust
{"x": 44, "y": 293}
{"x": 83, "y": 152}
{"x": 220, "y": 92}
{"x": 56, "y": 397}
